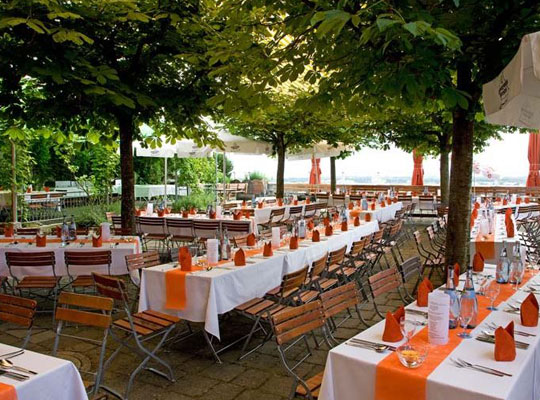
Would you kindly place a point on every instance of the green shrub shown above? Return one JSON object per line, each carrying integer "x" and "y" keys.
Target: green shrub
{"x": 198, "y": 200}
{"x": 256, "y": 175}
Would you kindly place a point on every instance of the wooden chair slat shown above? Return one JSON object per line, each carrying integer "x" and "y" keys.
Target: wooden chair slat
{"x": 83, "y": 317}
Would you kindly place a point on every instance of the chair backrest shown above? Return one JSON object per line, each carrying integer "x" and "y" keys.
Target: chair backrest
{"x": 411, "y": 267}
{"x": 111, "y": 287}
{"x": 384, "y": 281}
{"x": 240, "y": 240}
{"x": 142, "y": 260}
{"x": 322, "y": 205}
{"x": 205, "y": 229}
{"x": 322, "y": 196}
{"x": 85, "y": 259}
{"x": 17, "y": 310}
{"x": 310, "y": 210}
{"x": 295, "y": 211}
{"x": 318, "y": 266}
{"x": 74, "y": 308}
{"x": 27, "y": 231}
{"x": 358, "y": 247}
{"x": 276, "y": 214}
{"x": 404, "y": 198}
{"x": 295, "y": 322}
{"x": 339, "y": 299}
{"x": 377, "y": 236}
{"x": 44, "y": 261}
{"x": 151, "y": 225}
{"x": 293, "y": 281}
{"x": 116, "y": 221}
{"x": 337, "y": 256}
{"x": 236, "y": 228}
{"x": 180, "y": 227}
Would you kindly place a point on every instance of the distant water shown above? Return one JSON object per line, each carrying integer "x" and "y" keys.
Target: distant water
{"x": 406, "y": 180}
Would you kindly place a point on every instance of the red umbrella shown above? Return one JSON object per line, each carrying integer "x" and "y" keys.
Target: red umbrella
{"x": 534, "y": 160}
{"x": 418, "y": 171}
{"x": 315, "y": 174}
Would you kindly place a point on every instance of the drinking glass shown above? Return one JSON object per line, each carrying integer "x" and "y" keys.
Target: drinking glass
{"x": 408, "y": 327}
{"x": 466, "y": 312}
{"x": 492, "y": 292}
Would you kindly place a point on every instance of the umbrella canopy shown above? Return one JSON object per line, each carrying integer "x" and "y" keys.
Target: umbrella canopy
{"x": 315, "y": 174}
{"x": 513, "y": 98}
{"x": 242, "y": 145}
{"x": 166, "y": 150}
{"x": 534, "y": 160}
{"x": 418, "y": 171}
{"x": 184, "y": 148}
{"x": 319, "y": 150}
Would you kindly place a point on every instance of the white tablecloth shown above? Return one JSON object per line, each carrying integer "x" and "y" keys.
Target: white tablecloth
{"x": 263, "y": 214}
{"x": 215, "y": 292}
{"x": 57, "y": 379}
{"x": 350, "y": 372}
{"x": 500, "y": 236}
{"x": 118, "y": 253}
{"x": 384, "y": 214}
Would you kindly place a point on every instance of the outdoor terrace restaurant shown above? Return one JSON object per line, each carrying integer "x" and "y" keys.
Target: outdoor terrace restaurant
{"x": 269, "y": 200}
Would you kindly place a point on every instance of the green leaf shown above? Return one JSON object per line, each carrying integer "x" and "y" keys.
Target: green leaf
{"x": 385, "y": 23}
{"x": 355, "y": 19}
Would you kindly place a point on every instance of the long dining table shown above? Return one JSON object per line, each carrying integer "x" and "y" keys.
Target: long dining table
{"x": 215, "y": 292}
{"x": 354, "y": 373}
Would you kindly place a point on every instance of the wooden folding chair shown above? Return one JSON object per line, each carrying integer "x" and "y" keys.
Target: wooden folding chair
{"x": 411, "y": 268}
{"x": 291, "y": 328}
{"x": 276, "y": 218}
{"x": 89, "y": 262}
{"x": 384, "y": 282}
{"x": 206, "y": 229}
{"x": 310, "y": 210}
{"x": 180, "y": 231}
{"x": 18, "y": 311}
{"x": 89, "y": 312}
{"x": 317, "y": 280}
{"x": 27, "y": 231}
{"x": 138, "y": 330}
{"x": 153, "y": 229}
{"x": 236, "y": 228}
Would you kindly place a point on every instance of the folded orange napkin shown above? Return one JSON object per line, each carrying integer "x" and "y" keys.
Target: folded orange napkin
{"x": 244, "y": 203}
{"x": 478, "y": 262}
{"x": 382, "y": 204}
{"x": 344, "y": 226}
{"x": 518, "y": 200}
{"x": 237, "y": 215}
{"x": 424, "y": 289}
{"x": 250, "y": 241}
{"x": 138, "y": 212}
{"x": 367, "y": 217}
{"x": 193, "y": 211}
{"x": 392, "y": 330}
{"x": 8, "y": 230}
{"x": 212, "y": 215}
{"x": 457, "y": 272}
{"x": 326, "y": 221}
{"x": 351, "y": 205}
{"x": 41, "y": 240}
{"x": 527, "y": 200}
{"x": 267, "y": 251}
{"x": 357, "y": 221}
{"x": 279, "y": 202}
{"x": 505, "y": 202}
{"x": 295, "y": 202}
{"x": 293, "y": 243}
{"x": 505, "y": 346}
{"x": 184, "y": 258}
{"x": 28, "y": 189}
{"x": 97, "y": 241}
{"x": 308, "y": 200}
{"x": 7, "y": 392}
{"x": 328, "y": 231}
{"x": 239, "y": 258}
{"x": 316, "y": 236}
{"x": 310, "y": 225}
{"x": 335, "y": 217}
{"x": 185, "y": 214}
{"x": 260, "y": 204}
{"x": 247, "y": 214}
{"x": 509, "y": 228}
{"x": 58, "y": 231}
{"x": 529, "y": 311}
{"x": 373, "y": 206}
{"x": 160, "y": 212}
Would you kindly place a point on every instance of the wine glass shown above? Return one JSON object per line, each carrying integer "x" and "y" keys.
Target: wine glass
{"x": 466, "y": 313}
{"x": 408, "y": 327}
{"x": 492, "y": 291}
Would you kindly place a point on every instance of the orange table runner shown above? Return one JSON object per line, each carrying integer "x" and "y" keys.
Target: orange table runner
{"x": 486, "y": 247}
{"x": 7, "y": 392}
{"x": 393, "y": 381}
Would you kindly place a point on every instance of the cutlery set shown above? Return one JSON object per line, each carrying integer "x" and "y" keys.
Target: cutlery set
{"x": 9, "y": 370}
{"x": 460, "y": 363}
{"x": 366, "y": 344}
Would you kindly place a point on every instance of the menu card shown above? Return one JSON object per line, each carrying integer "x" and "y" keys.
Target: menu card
{"x": 106, "y": 231}
{"x": 276, "y": 237}
{"x": 212, "y": 251}
{"x": 149, "y": 209}
{"x": 218, "y": 212}
{"x": 438, "y": 317}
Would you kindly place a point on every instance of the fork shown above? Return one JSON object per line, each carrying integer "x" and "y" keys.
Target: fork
{"x": 494, "y": 326}
{"x": 481, "y": 366}
{"x": 472, "y": 367}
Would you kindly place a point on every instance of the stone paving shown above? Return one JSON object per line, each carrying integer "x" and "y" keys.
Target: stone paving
{"x": 260, "y": 376}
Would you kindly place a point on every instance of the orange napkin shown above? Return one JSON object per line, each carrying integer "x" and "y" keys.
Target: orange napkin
{"x": 382, "y": 204}
{"x": 250, "y": 241}
{"x": 260, "y": 204}
{"x": 293, "y": 243}
{"x": 244, "y": 203}
{"x": 392, "y": 331}
{"x": 505, "y": 347}
{"x": 456, "y": 274}
{"x": 237, "y": 215}
{"x": 474, "y": 214}
{"x": 138, "y": 212}
{"x": 518, "y": 200}
{"x": 505, "y": 202}
{"x": 267, "y": 251}
{"x": 295, "y": 202}
{"x": 335, "y": 217}
{"x": 310, "y": 225}
{"x": 41, "y": 240}
{"x": 97, "y": 241}
{"x": 498, "y": 199}
{"x": 373, "y": 206}
{"x": 247, "y": 214}
{"x": 478, "y": 262}
{"x": 367, "y": 217}
{"x": 7, "y": 392}
{"x": 193, "y": 211}
{"x": 184, "y": 258}
{"x": 8, "y": 230}
{"x": 29, "y": 190}
{"x": 308, "y": 200}
{"x": 357, "y": 221}
{"x": 351, "y": 205}
{"x": 58, "y": 230}
{"x": 212, "y": 215}
{"x": 239, "y": 258}
{"x": 508, "y": 213}
{"x": 424, "y": 289}
{"x": 316, "y": 236}
{"x": 394, "y": 200}
{"x": 344, "y": 226}
{"x": 328, "y": 231}
{"x": 160, "y": 212}
{"x": 509, "y": 228}
{"x": 185, "y": 214}
{"x": 529, "y": 311}
{"x": 279, "y": 202}
{"x": 527, "y": 200}
{"x": 326, "y": 221}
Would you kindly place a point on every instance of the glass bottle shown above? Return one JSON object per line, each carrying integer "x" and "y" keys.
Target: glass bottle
{"x": 226, "y": 247}
{"x": 516, "y": 267}
{"x": 65, "y": 231}
{"x": 469, "y": 295}
{"x": 302, "y": 228}
{"x": 454, "y": 301}
{"x": 503, "y": 266}
{"x": 72, "y": 229}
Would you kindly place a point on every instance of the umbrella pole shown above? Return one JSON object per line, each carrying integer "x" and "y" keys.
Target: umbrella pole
{"x": 13, "y": 183}
{"x": 224, "y": 176}
{"x": 216, "y": 183}
{"x": 165, "y": 179}
{"x": 175, "y": 180}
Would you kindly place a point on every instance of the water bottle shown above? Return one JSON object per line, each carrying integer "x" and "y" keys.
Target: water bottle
{"x": 253, "y": 202}
{"x": 516, "y": 267}
{"x": 469, "y": 295}
{"x": 502, "y": 273}
{"x": 302, "y": 228}
{"x": 226, "y": 247}
{"x": 454, "y": 301}
{"x": 72, "y": 229}
{"x": 65, "y": 231}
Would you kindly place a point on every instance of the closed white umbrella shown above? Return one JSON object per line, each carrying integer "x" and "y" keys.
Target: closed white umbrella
{"x": 319, "y": 150}
{"x": 513, "y": 98}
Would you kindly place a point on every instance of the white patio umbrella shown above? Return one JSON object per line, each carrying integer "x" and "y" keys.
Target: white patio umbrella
{"x": 319, "y": 150}
{"x": 513, "y": 98}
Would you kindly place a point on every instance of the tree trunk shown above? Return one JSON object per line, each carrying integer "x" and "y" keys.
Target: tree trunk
{"x": 127, "y": 129}
{"x": 280, "y": 178}
{"x": 445, "y": 176}
{"x": 332, "y": 174}
{"x": 457, "y": 238}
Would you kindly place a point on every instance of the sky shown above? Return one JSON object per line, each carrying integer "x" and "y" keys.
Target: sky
{"x": 508, "y": 157}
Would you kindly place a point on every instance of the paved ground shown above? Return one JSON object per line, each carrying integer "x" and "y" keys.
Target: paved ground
{"x": 259, "y": 376}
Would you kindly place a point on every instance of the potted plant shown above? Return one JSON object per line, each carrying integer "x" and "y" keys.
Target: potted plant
{"x": 257, "y": 183}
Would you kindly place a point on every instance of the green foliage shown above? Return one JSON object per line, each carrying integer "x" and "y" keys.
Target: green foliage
{"x": 94, "y": 214}
{"x": 256, "y": 175}
{"x": 198, "y": 200}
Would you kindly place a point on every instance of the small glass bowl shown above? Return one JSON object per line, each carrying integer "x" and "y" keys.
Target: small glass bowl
{"x": 412, "y": 355}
